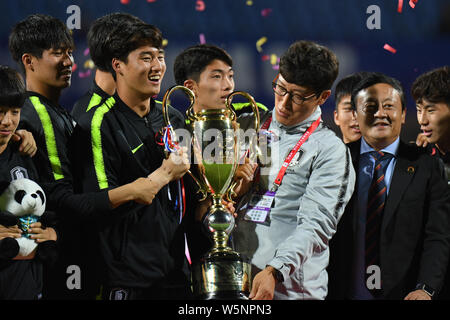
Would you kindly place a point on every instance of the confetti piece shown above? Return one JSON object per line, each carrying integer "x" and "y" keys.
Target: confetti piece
{"x": 89, "y": 64}
{"x": 276, "y": 67}
{"x": 202, "y": 38}
{"x": 86, "y": 51}
{"x": 266, "y": 12}
{"x": 265, "y": 57}
{"x": 249, "y": 2}
{"x": 74, "y": 67}
{"x": 273, "y": 59}
{"x": 84, "y": 74}
{"x": 200, "y": 5}
{"x": 124, "y": 1}
{"x": 151, "y": 1}
{"x": 165, "y": 42}
{"x": 260, "y": 42}
{"x": 389, "y": 48}
{"x": 400, "y": 6}
{"x": 412, "y": 3}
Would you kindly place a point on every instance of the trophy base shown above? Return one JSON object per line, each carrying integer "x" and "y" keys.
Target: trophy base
{"x": 224, "y": 295}
{"x": 222, "y": 276}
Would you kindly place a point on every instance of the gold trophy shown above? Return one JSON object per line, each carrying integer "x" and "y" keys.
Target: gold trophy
{"x": 222, "y": 273}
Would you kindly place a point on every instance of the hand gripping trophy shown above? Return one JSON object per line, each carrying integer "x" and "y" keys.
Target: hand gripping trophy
{"x": 222, "y": 273}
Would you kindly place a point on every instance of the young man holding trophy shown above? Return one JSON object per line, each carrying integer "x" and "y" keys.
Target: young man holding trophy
{"x": 141, "y": 246}
{"x": 300, "y": 192}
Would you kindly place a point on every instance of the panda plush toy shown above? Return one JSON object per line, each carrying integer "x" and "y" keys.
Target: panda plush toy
{"x": 22, "y": 202}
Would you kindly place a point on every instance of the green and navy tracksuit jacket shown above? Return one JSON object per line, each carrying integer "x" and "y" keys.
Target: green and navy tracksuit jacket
{"x": 91, "y": 99}
{"x": 52, "y": 127}
{"x": 139, "y": 245}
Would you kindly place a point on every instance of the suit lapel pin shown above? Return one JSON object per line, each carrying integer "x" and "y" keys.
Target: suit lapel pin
{"x": 410, "y": 170}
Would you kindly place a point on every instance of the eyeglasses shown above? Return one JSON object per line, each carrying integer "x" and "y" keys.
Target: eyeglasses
{"x": 296, "y": 98}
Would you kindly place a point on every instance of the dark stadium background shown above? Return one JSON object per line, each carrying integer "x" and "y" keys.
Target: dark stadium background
{"x": 421, "y": 36}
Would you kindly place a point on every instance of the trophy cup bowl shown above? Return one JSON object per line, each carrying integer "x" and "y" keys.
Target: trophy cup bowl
{"x": 221, "y": 273}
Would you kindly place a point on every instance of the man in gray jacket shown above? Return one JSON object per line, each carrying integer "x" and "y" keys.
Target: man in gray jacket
{"x": 303, "y": 185}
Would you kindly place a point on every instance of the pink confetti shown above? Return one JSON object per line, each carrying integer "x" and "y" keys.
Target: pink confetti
{"x": 74, "y": 67}
{"x": 86, "y": 51}
{"x": 200, "y": 5}
{"x": 124, "y": 1}
{"x": 202, "y": 38}
{"x": 84, "y": 74}
{"x": 400, "y": 6}
{"x": 389, "y": 48}
{"x": 276, "y": 67}
{"x": 266, "y": 12}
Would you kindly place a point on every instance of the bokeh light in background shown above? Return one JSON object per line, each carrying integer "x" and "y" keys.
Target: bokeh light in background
{"x": 257, "y": 32}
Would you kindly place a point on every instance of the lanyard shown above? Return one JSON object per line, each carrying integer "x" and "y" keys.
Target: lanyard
{"x": 287, "y": 161}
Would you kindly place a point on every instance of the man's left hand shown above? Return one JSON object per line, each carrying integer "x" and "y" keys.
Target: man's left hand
{"x": 263, "y": 285}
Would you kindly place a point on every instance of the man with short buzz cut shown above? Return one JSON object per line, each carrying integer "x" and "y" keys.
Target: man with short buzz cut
{"x": 344, "y": 115}
{"x": 394, "y": 238}
{"x": 299, "y": 195}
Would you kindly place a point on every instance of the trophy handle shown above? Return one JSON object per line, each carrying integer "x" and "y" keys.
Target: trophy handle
{"x": 165, "y": 111}
{"x": 230, "y": 192}
{"x": 166, "y": 99}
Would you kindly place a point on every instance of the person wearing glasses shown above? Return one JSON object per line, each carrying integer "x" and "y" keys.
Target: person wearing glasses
{"x": 298, "y": 194}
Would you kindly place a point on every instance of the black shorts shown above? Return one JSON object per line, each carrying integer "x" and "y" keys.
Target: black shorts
{"x": 21, "y": 280}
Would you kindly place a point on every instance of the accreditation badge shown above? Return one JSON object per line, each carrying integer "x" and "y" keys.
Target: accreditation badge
{"x": 258, "y": 208}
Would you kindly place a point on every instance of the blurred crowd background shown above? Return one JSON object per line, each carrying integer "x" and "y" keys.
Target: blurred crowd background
{"x": 257, "y": 32}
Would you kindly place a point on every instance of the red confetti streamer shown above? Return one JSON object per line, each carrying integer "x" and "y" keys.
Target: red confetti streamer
{"x": 200, "y": 5}
{"x": 124, "y": 1}
{"x": 151, "y": 1}
{"x": 400, "y": 6}
{"x": 412, "y": 3}
{"x": 266, "y": 12}
{"x": 389, "y": 48}
{"x": 265, "y": 57}
{"x": 74, "y": 67}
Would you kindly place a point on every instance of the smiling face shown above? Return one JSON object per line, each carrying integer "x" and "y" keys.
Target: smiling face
{"x": 9, "y": 120}
{"x": 215, "y": 83}
{"x": 54, "y": 68}
{"x": 345, "y": 118}
{"x": 434, "y": 120}
{"x": 379, "y": 114}
{"x": 143, "y": 71}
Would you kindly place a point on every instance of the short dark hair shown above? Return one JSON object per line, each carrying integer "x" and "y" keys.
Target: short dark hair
{"x": 190, "y": 63}
{"x": 374, "y": 78}
{"x": 345, "y": 86}
{"x": 433, "y": 86}
{"x": 121, "y": 41}
{"x": 100, "y": 30}
{"x": 309, "y": 65}
{"x": 36, "y": 33}
{"x": 12, "y": 88}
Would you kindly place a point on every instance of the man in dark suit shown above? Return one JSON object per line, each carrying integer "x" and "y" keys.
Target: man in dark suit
{"x": 393, "y": 240}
